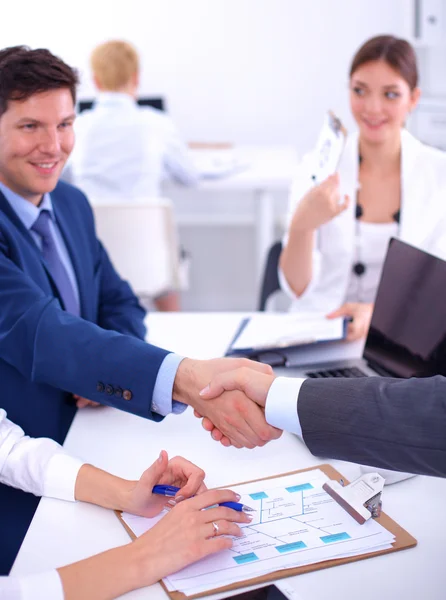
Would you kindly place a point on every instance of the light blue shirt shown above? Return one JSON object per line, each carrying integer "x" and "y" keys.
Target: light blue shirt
{"x": 28, "y": 214}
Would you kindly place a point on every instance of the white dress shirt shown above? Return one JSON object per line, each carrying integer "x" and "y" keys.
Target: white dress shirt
{"x": 281, "y": 404}
{"x": 422, "y": 221}
{"x": 41, "y": 467}
{"x": 124, "y": 151}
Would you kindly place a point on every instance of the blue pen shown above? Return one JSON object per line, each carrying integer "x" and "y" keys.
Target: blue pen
{"x": 171, "y": 491}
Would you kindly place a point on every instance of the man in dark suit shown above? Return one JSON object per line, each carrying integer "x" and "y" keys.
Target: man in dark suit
{"x": 70, "y": 328}
{"x": 397, "y": 424}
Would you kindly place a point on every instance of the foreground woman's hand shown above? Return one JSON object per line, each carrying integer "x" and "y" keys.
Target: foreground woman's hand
{"x": 109, "y": 491}
{"x": 187, "y": 534}
{"x": 183, "y": 536}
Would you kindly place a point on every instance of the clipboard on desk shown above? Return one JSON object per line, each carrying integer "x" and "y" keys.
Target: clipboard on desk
{"x": 402, "y": 539}
{"x": 271, "y": 337}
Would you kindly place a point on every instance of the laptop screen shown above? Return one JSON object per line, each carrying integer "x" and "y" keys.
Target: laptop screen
{"x": 407, "y": 335}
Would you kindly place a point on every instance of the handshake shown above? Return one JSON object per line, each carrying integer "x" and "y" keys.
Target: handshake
{"x": 230, "y": 395}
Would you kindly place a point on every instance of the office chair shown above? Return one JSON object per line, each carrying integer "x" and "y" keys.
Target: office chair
{"x": 270, "y": 282}
{"x": 142, "y": 243}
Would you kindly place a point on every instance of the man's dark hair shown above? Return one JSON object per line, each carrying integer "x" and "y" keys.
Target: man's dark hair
{"x": 25, "y": 72}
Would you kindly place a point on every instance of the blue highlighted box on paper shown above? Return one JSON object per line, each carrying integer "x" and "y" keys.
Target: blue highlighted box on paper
{"x": 336, "y": 537}
{"x": 291, "y": 547}
{"x": 258, "y": 496}
{"x": 299, "y": 488}
{"x": 244, "y": 558}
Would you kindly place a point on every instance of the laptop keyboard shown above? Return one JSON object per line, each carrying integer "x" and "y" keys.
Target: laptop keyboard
{"x": 345, "y": 372}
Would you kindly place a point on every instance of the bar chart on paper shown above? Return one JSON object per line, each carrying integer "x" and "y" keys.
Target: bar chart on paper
{"x": 295, "y": 523}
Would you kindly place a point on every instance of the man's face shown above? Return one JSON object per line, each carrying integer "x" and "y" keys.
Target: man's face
{"x": 36, "y": 139}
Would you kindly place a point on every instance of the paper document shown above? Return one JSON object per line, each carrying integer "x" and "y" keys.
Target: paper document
{"x": 281, "y": 330}
{"x": 295, "y": 523}
{"x": 212, "y": 163}
{"x": 329, "y": 147}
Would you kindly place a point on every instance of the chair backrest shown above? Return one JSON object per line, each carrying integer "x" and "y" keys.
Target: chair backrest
{"x": 270, "y": 281}
{"x": 142, "y": 243}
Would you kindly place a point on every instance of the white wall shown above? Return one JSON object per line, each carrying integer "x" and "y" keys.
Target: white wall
{"x": 238, "y": 70}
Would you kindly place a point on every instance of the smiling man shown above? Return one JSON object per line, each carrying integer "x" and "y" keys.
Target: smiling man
{"x": 70, "y": 328}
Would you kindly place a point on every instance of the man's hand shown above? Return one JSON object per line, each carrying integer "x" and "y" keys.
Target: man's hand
{"x": 236, "y": 416}
{"x": 255, "y": 386}
{"x": 83, "y": 402}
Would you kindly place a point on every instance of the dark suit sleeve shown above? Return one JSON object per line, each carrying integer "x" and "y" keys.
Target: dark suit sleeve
{"x": 390, "y": 423}
{"x": 49, "y": 346}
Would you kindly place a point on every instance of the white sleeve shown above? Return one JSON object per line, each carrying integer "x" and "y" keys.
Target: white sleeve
{"x": 41, "y": 586}
{"x": 178, "y": 160}
{"x": 36, "y": 465}
{"x": 302, "y": 183}
{"x": 281, "y": 404}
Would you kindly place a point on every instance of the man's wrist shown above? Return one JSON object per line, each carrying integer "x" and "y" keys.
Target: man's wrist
{"x": 185, "y": 383}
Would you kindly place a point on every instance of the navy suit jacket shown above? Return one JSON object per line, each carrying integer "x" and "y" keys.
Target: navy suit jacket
{"x": 46, "y": 354}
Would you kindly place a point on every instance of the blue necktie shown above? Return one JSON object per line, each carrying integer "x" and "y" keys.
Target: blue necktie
{"x": 54, "y": 262}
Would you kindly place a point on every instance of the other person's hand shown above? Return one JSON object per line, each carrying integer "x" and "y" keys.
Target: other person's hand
{"x": 319, "y": 205}
{"x": 255, "y": 385}
{"x": 360, "y": 314}
{"x": 240, "y": 419}
{"x": 83, "y": 402}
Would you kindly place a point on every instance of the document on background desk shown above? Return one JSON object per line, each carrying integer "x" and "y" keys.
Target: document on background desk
{"x": 296, "y": 523}
{"x": 285, "y": 330}
{"x": 221, "y": 162}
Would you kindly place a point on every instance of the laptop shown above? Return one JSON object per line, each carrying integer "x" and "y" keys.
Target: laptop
{"x": 407, "y": 335}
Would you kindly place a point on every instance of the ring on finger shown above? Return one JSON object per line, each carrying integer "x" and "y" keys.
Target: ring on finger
{"x": 215, "y": 527}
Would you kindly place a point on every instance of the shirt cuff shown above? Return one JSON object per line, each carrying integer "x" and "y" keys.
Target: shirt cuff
{"x": 46, "y": 585}
{"x": 162, "y": 392}
{"x": 281, "y": 404}
{"x": 60, "y": 477}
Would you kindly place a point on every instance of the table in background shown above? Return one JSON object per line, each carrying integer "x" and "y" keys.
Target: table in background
{"x": 270, "y": 169}
{"x": 64, "y": 532}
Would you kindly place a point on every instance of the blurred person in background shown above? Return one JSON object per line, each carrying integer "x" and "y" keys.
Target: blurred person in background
{"x": 388, "y": 184}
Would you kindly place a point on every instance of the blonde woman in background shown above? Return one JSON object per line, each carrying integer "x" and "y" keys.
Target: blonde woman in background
{"x": 124, "y": 151}
{"x": 388, "y": 184}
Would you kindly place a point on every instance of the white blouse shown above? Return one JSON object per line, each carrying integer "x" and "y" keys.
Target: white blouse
{"x": 41, "y": 467}
{"x": 371, "y": 242}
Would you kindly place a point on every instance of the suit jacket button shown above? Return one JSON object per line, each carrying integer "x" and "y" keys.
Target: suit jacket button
{"x": 118, "y": 392}
{"x": 109, "y": 390}
{"x": 127, "y": 395}
{"x": 100, "y": 386}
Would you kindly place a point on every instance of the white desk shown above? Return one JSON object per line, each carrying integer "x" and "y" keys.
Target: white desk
{"x": 271, "y": 170}
{"x": 63, "y": 532}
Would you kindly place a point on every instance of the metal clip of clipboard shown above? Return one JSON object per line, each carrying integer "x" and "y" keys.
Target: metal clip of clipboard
{"x": 329, "y": 147}
{"x": 361, "y": 498}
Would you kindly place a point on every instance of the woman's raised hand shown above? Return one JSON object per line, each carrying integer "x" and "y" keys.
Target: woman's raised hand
{"x": 319, "y": 205}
